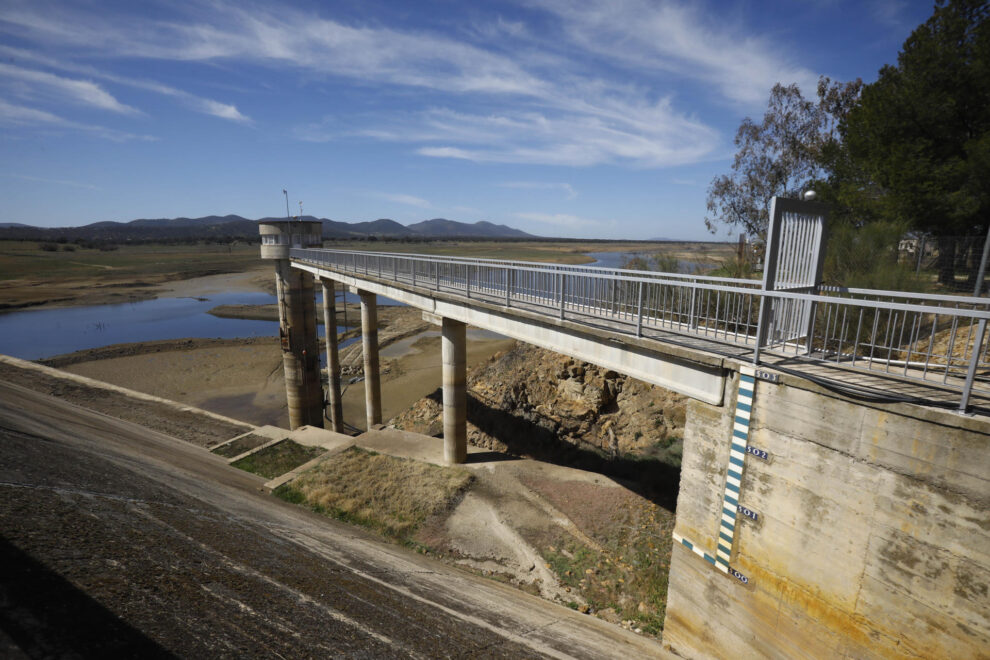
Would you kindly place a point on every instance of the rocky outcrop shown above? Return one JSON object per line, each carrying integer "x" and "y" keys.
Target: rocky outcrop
{"x": 532, "y": 401}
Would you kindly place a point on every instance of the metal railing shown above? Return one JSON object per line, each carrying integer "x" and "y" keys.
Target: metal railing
{"x": 930, "y": 338}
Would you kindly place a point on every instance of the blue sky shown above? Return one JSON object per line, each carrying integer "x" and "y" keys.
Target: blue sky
{"x": 561, "y": 118}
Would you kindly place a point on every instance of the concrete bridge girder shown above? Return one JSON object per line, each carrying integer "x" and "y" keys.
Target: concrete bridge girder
{"x": 700, "y": 376}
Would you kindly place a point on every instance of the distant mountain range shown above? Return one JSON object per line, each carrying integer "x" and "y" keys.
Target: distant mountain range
{"x": 235, "y": 226}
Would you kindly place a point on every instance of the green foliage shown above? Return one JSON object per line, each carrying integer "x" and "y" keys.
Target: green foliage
{"x": 665, "y": 263}
{"x": 780, "y": 156}
{"x": 866, "y": 257}
{"x": 661, "y": 261}
{"x": 918, "y": 143}
{"x": 635, "y": 263}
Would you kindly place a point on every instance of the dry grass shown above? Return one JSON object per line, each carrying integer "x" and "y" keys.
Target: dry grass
{"x": 393, "y": 496}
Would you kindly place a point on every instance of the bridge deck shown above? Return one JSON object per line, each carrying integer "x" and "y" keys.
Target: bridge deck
{"x": 883, "y": 382}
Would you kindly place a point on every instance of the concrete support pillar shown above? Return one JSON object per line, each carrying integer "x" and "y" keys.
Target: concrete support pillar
{"x": 454, "y": 352}
{"x": 369, "y": 338}
{"x": 333, "y": 359}
{"x": 300, "y": 345}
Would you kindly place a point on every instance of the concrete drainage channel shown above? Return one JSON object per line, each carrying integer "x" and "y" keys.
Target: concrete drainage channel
{"x": 316, "y": 442}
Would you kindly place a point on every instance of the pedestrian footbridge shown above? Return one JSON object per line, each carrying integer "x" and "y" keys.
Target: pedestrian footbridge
{"x": 833, "y": 491}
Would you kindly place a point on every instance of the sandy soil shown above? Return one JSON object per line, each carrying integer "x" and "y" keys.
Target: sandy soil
{"x": 243, "y": 378}
{"x": 258, "y": 279}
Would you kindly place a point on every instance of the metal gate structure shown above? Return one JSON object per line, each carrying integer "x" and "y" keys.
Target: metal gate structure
{"x": 795, "y": 256}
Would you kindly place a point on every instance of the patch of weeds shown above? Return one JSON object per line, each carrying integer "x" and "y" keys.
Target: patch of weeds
{"x": 392, "y": 496}
{"x": 278, "y": 459}
{"x": 630, "y": 576}
{"x": 239, "y": 446}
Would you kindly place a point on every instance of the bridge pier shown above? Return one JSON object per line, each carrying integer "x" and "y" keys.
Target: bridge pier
{"x": 454, "y": 356}
{"x": 369, "y": 344}
{"x": 333, "y": 358}
{"x": 300, "y": 345}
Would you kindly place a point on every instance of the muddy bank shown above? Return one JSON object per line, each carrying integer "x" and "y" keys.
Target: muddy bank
{"x": 108, "y": 287}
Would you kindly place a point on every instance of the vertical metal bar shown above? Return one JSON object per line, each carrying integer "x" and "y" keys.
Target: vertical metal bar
{"x": 760, "y": 326}
{"x": 692, "y": 322}
{"x": 639, "y": 312}
{"x": 859, "y": 327}
{"x": 467, "y": 279}
{"x": 508, "y": 287}
{"x": 948, "y": 353}
{"x": 931, "y": 343}
{"x": 974, "y": 360}
{"x": 842, "y": 334}
{"x": 560, "y": 286}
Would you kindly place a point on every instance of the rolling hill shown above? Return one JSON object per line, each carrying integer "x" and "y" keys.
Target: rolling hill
{"x": 237, "y": 227}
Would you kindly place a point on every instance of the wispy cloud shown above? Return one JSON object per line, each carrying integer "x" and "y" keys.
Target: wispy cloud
{"x": 60, "y": 182}
{"x": 678, "y": 38}
{"x": 545, "y": 108}
{"x": 543, "y": 103}
{"x": 18, "y": 115}
{"x": 408, "y": 200}
{"x": 196, "y": 103}
{"x": 567, "y": 188}
{"x": 79, "y": 91}
{"x": 560, "y": 220}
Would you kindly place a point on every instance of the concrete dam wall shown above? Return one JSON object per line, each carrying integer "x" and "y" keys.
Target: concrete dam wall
{"x": 862, "y": 532}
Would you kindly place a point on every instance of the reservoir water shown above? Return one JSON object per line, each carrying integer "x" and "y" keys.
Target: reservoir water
{"x": 35, "y": 334}
{"x": 616, "y": 259}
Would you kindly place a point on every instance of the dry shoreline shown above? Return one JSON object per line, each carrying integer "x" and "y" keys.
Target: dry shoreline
{"x": 243, "y": 378}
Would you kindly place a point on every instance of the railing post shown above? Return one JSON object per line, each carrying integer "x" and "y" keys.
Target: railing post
{"x": 508, "y": 286}
{"x": 413, "y": 262}
{"x": 436, "y": 273}
{"x": 467, "y": 279}
{"x": 639, "y": 311}
{"x": 560, "y": 278}
{"x": 761, "y": 324}
{"x": 692, "y": 324}
{"x": 974, "y": 361}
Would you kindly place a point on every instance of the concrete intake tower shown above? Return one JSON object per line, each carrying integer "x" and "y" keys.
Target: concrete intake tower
{"x": 297, "y": 317}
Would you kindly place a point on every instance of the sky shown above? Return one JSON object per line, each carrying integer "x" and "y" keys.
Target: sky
{"x": 557, "y": 117}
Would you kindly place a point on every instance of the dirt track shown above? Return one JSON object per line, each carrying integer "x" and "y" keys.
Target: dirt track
{"x": 121, "y": 540}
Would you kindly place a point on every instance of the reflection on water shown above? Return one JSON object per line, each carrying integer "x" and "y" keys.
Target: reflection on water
{"x": 41, "y": 333}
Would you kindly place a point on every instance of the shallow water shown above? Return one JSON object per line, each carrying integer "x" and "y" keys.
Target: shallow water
{"x": 615, "y": 259}
{"x": 41, "y": 333}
